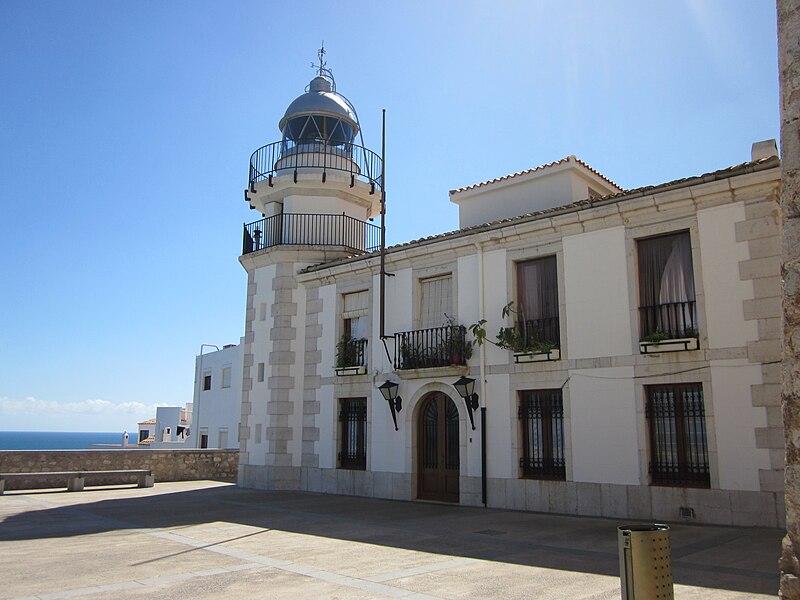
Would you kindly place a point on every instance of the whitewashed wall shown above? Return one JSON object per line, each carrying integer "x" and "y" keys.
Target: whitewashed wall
{"x": 596, "y": 294}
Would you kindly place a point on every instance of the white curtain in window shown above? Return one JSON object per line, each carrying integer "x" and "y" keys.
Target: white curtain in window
{"x": 437, "y": 301}
{"x": 356, "y": 314}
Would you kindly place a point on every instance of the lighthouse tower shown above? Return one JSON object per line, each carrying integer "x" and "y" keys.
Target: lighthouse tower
{"x": 315, "y": 188}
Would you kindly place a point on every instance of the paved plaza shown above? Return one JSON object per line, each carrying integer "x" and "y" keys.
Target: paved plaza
{"x": 204, "y": 539}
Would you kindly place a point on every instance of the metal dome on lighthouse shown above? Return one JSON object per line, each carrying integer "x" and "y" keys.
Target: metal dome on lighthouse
{"x": 321, "y": 114}
{"x": 316, "y": 186}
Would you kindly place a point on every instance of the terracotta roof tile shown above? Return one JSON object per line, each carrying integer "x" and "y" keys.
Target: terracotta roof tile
{"x": 566, "y": 159}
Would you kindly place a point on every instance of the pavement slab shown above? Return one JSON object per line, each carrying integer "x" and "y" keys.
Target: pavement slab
{"x": 209, "y": 540}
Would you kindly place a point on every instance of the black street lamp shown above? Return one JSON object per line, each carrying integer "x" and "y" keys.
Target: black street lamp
{"x": 389, "y": 391}
{"x": 466, "y": 389}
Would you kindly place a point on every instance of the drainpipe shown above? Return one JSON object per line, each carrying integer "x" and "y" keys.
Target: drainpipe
{"x": 481, "y": 315}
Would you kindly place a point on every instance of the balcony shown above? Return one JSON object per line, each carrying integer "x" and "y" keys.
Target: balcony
{"x": 430, "y": 348}
{"x": 351, "y": 356}
{"x": 288, "y": 229}
{"x": 669, "y": 327}
{"x": 288, "y": 158}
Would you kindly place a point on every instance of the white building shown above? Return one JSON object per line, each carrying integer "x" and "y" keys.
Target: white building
{"x": 172, "y": 426}
{"x": 639, "y": 371}
{"x": 217, "y": 399}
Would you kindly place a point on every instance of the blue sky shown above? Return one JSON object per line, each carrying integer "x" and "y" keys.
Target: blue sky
{"x": 126, "y": 129}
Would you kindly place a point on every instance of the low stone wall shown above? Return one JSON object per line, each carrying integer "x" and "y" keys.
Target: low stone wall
{"x": 167, "y": 465}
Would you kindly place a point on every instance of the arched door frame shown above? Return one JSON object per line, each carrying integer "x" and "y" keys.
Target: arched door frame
{"x": 412, "y": 417}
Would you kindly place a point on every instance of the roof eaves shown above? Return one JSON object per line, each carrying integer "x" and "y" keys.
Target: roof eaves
{"x": 564, "y": 160}
{"x": 741, "y": 169}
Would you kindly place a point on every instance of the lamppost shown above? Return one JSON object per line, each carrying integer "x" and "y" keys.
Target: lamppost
{"x": 466, "y": 389}
{"x": 389, "y": 392}
{"x": 199, "y": 377}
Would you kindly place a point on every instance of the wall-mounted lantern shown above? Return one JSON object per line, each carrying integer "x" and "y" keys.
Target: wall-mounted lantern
{"x": 466, "y": 389}
{"x": 389, "y": 391}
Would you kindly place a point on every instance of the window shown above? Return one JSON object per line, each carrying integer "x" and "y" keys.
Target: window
{"x": 260, "y": 372}
{"x": 356, "y": 315}
{"x": 537, "y": 301}
{"x": 258, "y": 433}
{"x": 353, "y": 443}
{"x": 541, "y": 414}
{"x": 223, "y": 438}
{"x": 206, "y": 382}
{"x": 436, "y": 301}
{"x": 666, "y": 287}
{"x": 204, "y": 440}
{"x": 262, "y": 311}
{"x": 677, "y": 429}
{"x": 226, "y": 377}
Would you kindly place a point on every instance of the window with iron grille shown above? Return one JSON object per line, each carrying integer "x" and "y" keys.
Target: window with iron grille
{"x": 353, "y": 438}
{"x": 541, "y": 414}
{"x": 677, "y": 428}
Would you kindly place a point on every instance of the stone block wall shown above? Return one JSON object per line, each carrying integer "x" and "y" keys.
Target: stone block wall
{"x": 167, "y": 465}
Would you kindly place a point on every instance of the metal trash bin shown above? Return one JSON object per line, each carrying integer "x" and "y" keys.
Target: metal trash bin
{"x": 645, "y": 565}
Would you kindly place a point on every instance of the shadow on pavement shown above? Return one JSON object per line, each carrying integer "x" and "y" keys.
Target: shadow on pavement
{"x": 737, "y": 559}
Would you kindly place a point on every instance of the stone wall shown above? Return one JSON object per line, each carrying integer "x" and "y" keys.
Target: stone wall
{"x": 167, "y": 465}
{"x": 789, "y": 72}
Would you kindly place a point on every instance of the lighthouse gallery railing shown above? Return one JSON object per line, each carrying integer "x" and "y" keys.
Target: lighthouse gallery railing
{"x": 288, "y": 157}
{"x": 301, "y": 229}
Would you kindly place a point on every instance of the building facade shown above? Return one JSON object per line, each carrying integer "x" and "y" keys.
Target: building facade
{"x": 629, "y": 364}
{"x": 217, "y": 399}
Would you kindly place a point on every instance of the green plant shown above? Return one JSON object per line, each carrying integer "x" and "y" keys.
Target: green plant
{"x": 511, "y": 338}
{"x": 656, "y": 337}
{"x": 690, "y": 332}
{"x": 348, "y": 352}
{"x": 455, "y": 346}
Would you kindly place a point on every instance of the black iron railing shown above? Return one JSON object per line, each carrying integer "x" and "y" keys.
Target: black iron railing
{"x": 541, "y": 414}
{"x": 673, "y": 319}
{"x": 301, "y": 229}
{"x": 287, "y": 157}
{"x": 678, "y": 442}
{"x": 351, "y": 353}
{"x": 540, "y": 331}
{"x": 434, "y": 347}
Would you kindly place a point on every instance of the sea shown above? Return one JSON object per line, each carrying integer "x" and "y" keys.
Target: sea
{"x": 60, "y": 440}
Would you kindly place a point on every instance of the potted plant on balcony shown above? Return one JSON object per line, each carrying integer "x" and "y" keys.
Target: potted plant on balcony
{"x": 455, "y": 347}
{"x": 349, "y": 356}
{"x": 660, "y": 341}
{"x": 525, "y": 346}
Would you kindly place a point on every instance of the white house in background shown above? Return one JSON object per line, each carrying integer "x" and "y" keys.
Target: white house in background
{"x": 217, "y": 398}
{"x": 635, "y": 375}
{"x": 147, "y": 432}
{"x": 172, "y": 427}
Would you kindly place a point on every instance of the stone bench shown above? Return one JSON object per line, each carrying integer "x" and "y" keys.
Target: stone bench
{"x": 77, "y": 479}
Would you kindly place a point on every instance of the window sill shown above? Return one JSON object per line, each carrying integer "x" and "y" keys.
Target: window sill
{"x": 529, "y": 357}
{"x": 348, "y": 371}
{"x": 672, "y": 345}
{"x": 451, "y": 370}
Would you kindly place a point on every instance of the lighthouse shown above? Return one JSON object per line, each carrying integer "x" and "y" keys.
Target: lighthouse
{"x": 316, "y": 189}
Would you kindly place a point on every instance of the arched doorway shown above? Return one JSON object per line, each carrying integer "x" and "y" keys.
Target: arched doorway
{"x": 438, "y": 451}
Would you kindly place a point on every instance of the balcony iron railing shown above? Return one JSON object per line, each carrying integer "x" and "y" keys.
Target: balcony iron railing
{"x": 434, "y": 347}
{"x": 540, "y": 331}
{"x": 351, "y": 353}
{"x": 288, "y": 157}
{"x": 673, "y": 319}
{"x": 300, "y": 229}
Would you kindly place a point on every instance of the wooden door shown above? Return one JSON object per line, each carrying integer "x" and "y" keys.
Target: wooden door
{"x": 438, "y": 451}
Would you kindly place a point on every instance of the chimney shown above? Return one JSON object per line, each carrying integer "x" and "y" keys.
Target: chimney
{"x": 765, "y": 149}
